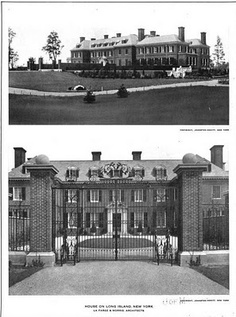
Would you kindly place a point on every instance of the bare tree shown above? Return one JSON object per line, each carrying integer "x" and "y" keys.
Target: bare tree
{"x": 12, "y": 54}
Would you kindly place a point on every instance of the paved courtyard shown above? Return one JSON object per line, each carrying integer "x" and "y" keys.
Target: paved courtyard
{"x": 117, "y": 278}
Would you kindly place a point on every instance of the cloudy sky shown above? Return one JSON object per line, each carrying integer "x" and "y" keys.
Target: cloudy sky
{"x": 33, "y": 22}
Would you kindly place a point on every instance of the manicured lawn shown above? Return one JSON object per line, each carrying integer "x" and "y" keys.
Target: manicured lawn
{"x": 219, "y": 273}
{"x": 107, "y": 243}
{"x": 19, "y": 273}
{"x": 61, "y": 81}
{"x": 186, "y": 105}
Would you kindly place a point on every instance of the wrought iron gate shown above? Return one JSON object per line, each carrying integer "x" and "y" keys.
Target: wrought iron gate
{"x": 113, "y": 220}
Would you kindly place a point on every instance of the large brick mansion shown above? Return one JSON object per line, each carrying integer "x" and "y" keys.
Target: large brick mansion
{"x": 142, "y": 49}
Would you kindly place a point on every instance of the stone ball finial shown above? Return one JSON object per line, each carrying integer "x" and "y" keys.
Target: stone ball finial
{"x": 189, "y": 158}
{"x": 42, "y": 159}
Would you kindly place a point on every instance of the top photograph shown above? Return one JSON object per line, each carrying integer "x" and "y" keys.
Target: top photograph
{"x": 118, "y": 63}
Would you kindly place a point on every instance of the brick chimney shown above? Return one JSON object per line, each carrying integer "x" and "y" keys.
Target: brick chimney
{"x": 93, "y": 39}
{"x": 217, "y": 155}
{"x": 19, "y": 156}
{"x": 106, "y": 36}
{"x": 82, "y": 38}
{"x": 153, "y": 33}
{"x": 181, "y": 34}
{"x": 203, "y": 38}
{"x": 96, "y": 156}
{"x": 118, "y": 34}
{"x": 136, "y": 155}
{"x": 140, "y": 34}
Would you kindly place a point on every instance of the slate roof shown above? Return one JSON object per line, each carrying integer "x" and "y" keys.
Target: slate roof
{"x": 148, "y": 165}
{"x": 130, "y": 40}
{"x": 173, "y": 38}
{"x": 196, "y": 42}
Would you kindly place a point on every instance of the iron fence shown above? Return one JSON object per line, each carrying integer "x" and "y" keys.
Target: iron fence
{"x": 215, "y": 227}
{"x": 108, "y": 223}
{"x": 19, "y": 228}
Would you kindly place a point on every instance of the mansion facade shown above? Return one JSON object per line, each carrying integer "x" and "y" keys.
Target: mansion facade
{"x": 125, "y": 198}
{"x": 144, "y": 50}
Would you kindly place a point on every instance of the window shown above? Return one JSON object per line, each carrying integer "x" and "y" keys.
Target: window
{"x": 17, "y": 193}
{"x": 175, "y": 219}
{"x": 72, "y": 173}
{"x": 216, "y": 192}
{"x": 93, "y": 172}
{"x": 120, "y": 195}
{"x": 160, "y": 172}
{"x": 159, "y": 195}
{"x": 138, "y": 171}
{"x": 119, "y": 52}
{"x": 145, "y": 219}
{"x": 132, "y": 219}
{"x": 94, "y": 195}
{"x": 100, "y": 220}
{"x": 126, "y": 51}
{"x": 87, "y": 220}
{"x": 71, "y": 196}
{"x": 138, "y": 195}
{"x": 161, "y": 219}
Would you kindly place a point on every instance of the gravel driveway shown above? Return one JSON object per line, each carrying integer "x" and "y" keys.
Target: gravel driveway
{"x": 117, "y": 278}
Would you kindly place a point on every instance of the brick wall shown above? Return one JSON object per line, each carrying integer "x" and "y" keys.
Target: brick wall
{"x": 190, "y": 211}
{"x": 41, "y": 211}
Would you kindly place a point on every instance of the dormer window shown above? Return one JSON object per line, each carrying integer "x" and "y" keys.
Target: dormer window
{"x": 160, "y": 173}
{"x": 72, "y": 174}
{"x": 94, "y": 172}
{"x": 124, "y": 41}
{"x": 138, "y": 172}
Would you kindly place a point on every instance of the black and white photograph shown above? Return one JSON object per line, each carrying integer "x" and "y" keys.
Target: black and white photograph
{"x": 118, "y": 63}
{"x": 118, "y": 159}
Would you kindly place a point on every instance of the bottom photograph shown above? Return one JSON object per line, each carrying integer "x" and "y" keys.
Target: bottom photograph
{"x": 119, "y": 227}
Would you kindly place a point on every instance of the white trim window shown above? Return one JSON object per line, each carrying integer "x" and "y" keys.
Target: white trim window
{"x": 17, "y": 193}
{"x": 94, "y": 195}
{"x": 138, "y": 195}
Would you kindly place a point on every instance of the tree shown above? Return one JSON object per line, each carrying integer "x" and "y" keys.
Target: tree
{"x": 12, "y": 54}
{"x": 53, "y": 47}
{"x": 218, "y": 55}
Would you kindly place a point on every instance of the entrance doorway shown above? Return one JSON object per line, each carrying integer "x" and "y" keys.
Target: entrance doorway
{"x": 116, "y": 222}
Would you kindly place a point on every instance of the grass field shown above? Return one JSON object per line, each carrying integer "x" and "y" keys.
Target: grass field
{"x": 187, "y": 106}
{"x": 107, "y": 243}
{"x": 17, "y": 273}
{"x": 217, "y": 273}
{"x": 61, "y": 81}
